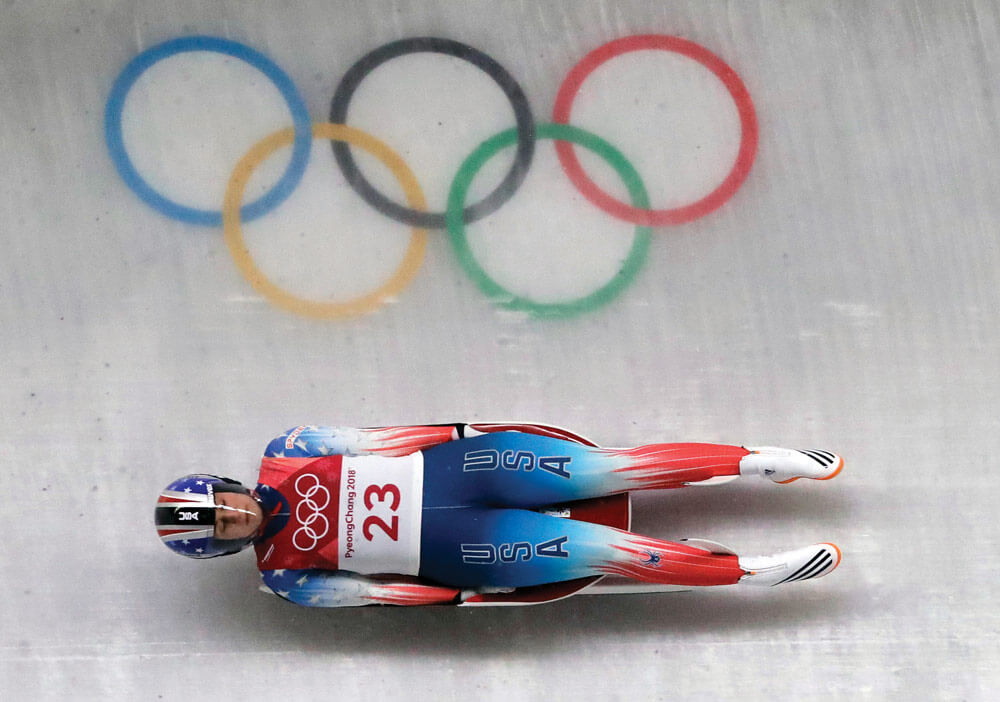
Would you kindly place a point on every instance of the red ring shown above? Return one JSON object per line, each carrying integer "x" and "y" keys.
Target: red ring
{"x": 677, "y": 215}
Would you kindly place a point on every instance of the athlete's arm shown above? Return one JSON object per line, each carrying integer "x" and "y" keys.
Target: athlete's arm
{"x": 342, "y": 588}
{"x": 383, "y": 441}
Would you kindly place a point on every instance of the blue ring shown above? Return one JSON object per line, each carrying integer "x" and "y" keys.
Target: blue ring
{"x": 116, "y": 143}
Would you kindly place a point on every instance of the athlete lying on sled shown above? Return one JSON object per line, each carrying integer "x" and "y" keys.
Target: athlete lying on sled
{"x": 469, "y": 514}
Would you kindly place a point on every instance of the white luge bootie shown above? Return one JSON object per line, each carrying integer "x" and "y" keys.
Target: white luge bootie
{"x": 790, "y": 566}
{"x": 786, "y": 465}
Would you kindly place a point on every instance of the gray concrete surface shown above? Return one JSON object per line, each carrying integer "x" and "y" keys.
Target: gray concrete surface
{"x": 845, "y": 298}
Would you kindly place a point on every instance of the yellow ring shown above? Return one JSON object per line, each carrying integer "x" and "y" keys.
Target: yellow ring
{"x": 233, "y": 230}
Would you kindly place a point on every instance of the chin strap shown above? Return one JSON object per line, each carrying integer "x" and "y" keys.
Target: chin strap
{"x": 236, "y": 509}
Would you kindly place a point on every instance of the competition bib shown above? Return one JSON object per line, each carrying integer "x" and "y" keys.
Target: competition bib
{"x": 380, "y": 508}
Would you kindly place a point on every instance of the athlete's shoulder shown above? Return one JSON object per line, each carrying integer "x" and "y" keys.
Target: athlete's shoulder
{"x": 276, "y": 470}
{"x": 313, "y": 440}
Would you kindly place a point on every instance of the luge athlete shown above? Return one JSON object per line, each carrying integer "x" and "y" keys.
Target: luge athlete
{"x": 438, "y": 514}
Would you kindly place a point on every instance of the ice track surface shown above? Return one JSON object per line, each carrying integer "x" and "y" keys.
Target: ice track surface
{"x": 843, "y": 294}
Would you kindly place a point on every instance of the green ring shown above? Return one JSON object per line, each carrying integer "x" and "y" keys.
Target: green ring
{"x": 456, "y": 227}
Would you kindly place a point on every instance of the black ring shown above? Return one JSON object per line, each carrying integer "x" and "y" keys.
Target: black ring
{"x": 522, "y": 113}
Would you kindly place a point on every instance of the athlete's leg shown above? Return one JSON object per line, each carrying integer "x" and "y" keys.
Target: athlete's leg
{"x": 525, "y": 470}
{"x": 477, "y": 547}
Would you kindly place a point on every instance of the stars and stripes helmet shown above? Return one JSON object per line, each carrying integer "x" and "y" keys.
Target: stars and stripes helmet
{"x": 185, "y": 516}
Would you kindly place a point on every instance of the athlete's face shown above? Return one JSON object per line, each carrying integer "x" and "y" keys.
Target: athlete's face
{"x": 238, "y": 517}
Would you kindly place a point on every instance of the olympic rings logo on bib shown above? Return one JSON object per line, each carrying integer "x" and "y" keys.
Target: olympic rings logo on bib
{"x": 307, "y": 533}
{"x": 457, "y": 213}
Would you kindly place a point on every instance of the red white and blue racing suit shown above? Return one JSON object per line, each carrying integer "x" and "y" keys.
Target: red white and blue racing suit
{"x": 429, "y": 514}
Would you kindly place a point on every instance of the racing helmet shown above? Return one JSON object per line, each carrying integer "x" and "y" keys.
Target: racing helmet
{"x": 185, "y": 516}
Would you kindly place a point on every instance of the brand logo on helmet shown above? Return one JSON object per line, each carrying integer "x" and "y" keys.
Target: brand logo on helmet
{"x": 187, "y": 516}
{"x": 309, "y": 512}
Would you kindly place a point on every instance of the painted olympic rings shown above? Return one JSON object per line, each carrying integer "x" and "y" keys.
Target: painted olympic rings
{"x": 565, "y": 134}
{"x": 522, "y": 115}
{"x": 116, "y": 142}
{"x": 280, "y": 297}
{"x": 456, "y": 215}
{"x": 678, "y": 215}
